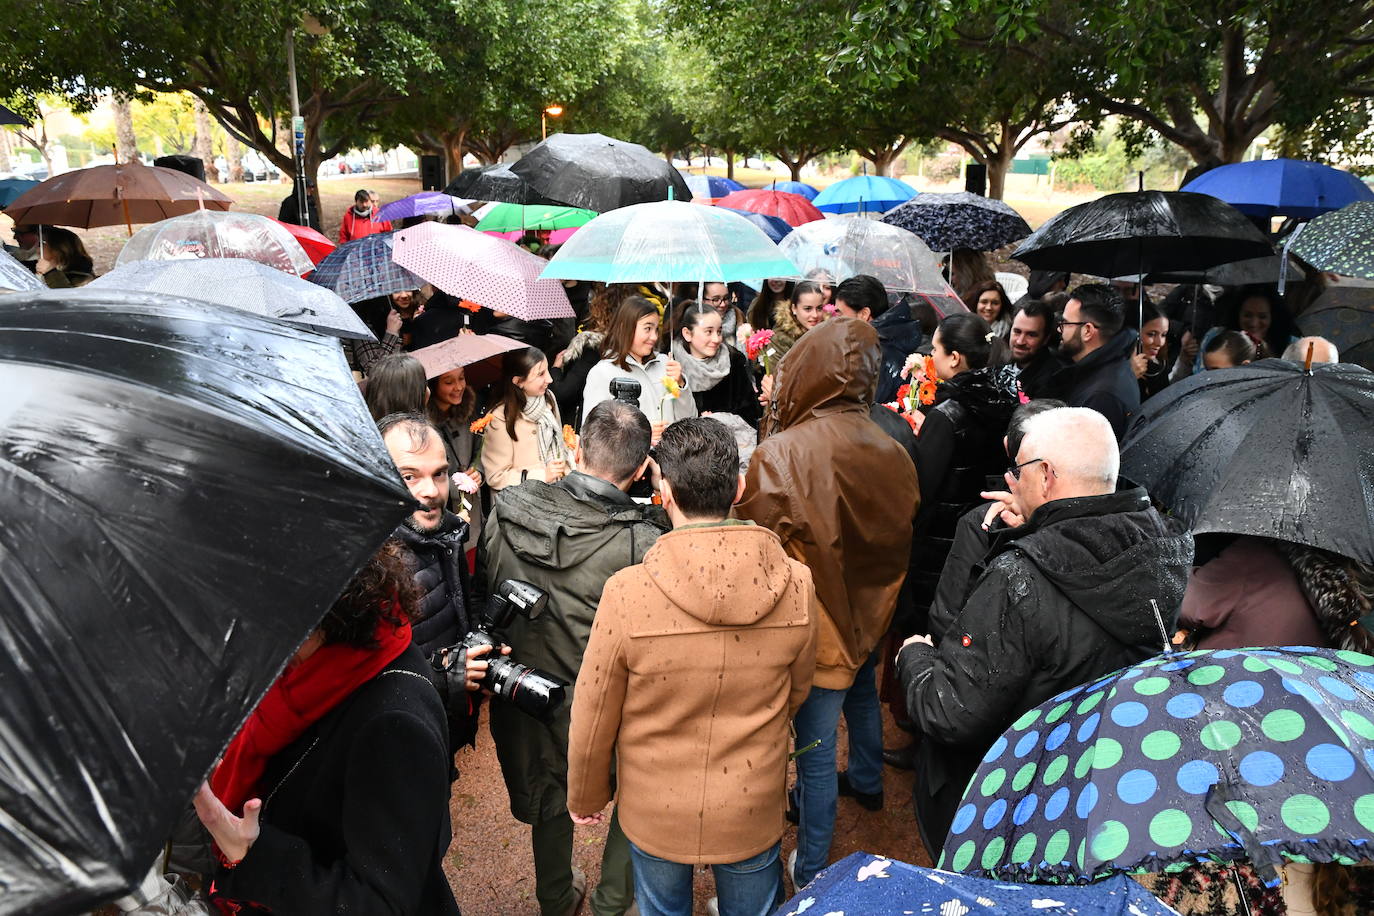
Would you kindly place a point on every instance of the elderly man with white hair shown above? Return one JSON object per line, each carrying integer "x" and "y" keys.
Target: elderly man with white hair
{"x": 1080, "y": 578}
{"x": 1323, "y": 350}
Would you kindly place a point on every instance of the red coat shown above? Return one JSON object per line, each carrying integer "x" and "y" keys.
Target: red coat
{"x": 355, "y": 227}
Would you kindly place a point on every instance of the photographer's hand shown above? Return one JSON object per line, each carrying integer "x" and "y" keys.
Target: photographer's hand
{"x": 477, "y": 667}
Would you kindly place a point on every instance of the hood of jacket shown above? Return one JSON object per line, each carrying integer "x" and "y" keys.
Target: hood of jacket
{"x": 784, "y": 325}
{"x": 990, "y": 394}
{"x": 733, "y": 574}
{"x": 584, "y": 341}
{"x": 558, "y": 526}
{"x": 833, "y": 368}
{"x": 1118, "y": 348}
{"x": 1111, "y": 556}
{"x": 898, "y": 330}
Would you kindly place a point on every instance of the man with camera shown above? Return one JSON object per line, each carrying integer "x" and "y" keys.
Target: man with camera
{"x": 698, "y": 658}
{"x": 567, "y": 538}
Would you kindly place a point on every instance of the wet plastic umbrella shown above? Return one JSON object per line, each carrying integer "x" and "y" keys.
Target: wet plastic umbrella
{"x": 114, "y": 195}
{"x": 11, "y": 188}
{"x": 864, "y": 194}
{"x": 599, "y": 173}
{"x": 422, "y": 204}
{"x": 317, "y": 246}
{"x": 849, "y": 245}
{"x": 496, "y": 182}
{"x": 213, "y": 234}
{"x": 365, "y": 269}
{"x": 864, "y": 883}
{"x": 792, "y": 209}
{"x": 669, "y": 242}
{"x": 482, "y": 268}
{"x": 775, "y": 228}
{"x": 502, "y": 217}
{"x": 473, "y": 352}
{"x": 1143, "y": 232}
{"x": 1344, "y": 315}
{"x": 1223, "y": 755}
{"x": 1267, "y": 449}
{"x": 1341, "y": 242}
{"x": 187, "y": 489}
{"x": 244, "y": 285}
{"x": 1281, "y": 187}
{"x": 16, "y": 276}
{"x": 793, "y": 187}
{"x": 711, "y": 186}
{"x": 959, "y": 220}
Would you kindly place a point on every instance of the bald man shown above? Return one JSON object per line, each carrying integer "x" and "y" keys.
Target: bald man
{"x": 1086, "y": 579}
{"x": 1323, "y": 351}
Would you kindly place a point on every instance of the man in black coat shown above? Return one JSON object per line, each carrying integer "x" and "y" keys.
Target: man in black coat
{"x": 863, "y": 297}
{"x": 1093, "y": 337}
{"x": 1087, "y": 580}
{"x": 1030, "y": 350}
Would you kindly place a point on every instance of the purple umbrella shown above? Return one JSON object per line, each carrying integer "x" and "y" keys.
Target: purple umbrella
{"x": 422, "y": 204}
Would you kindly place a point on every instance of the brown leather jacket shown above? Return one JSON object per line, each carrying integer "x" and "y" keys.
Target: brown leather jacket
{"x": 838, "y": 491}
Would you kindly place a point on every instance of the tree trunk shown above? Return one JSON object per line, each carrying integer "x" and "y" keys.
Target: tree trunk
{"x": 999, "y": 164}
{"x": 455, "y": 147}
{"x": 126, "y": 144}
{"x": 730, "y": 164}
{"x": 205, "y": 143}
{"x": 233, "y": 155}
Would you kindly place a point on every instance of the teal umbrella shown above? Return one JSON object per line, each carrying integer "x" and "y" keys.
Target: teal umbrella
{"x": 669, "y": 241}
{"x": 1341, "y": 242}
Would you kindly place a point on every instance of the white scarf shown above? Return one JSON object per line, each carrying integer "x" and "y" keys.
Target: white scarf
{"x": 702, "y": 374}
{"x": 548, "y": 433}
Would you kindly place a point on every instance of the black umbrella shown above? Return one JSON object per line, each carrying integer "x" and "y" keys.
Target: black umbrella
{"x": 9, "y": 117}
{"x": 599, "y": 173}
{"x": 496, "y": 183}
{"x": 1268, "y": 449}
{"x": 959, "y": 220}
{"x": 1344, "y": 315}
{"x": 185, "y": 491}
{"x": 1143, "y": 232}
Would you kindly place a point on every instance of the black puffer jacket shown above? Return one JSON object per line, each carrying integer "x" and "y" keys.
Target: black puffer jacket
{"x": 441, "y": 572}
{"x": 1104, "y": 381}
{"x": 899, "y": 335}
{"x": 958, "y": 449}
{"x": 1059, "y": 601}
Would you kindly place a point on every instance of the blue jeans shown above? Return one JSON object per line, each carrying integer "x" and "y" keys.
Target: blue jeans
{"x": 818, "y": 718}
{"x": 749, "y": 888}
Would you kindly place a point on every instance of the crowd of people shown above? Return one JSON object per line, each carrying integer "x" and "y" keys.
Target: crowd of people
{"x": 753, "y": 512}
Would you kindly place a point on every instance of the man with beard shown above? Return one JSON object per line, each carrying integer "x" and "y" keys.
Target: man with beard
{"x": 1093, "y": 337}
{"x": 432, "y": 538}
{"x": 1030, "y": 350}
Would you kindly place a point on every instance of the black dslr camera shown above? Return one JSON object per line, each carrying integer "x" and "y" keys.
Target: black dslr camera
{"x": 626, "y": 390}
{"x": 535, "y": 692}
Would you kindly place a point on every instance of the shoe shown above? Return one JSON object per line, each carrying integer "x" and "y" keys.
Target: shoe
{"x": 901, "y": 758}
{"x": 793, "y": 806}
{"x": 579, "y": 886}
{"x": 713, "y": 907}
{"x": 873, "y": 801}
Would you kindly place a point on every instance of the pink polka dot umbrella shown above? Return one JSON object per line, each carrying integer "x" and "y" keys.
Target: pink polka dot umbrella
{"x": 481, "y": 268}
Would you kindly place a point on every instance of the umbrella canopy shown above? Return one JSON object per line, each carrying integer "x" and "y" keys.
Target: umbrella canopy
{"x": 1341, "y": 242}
{"x": 317, "y": 246}
{"x": 1267, "y": 269}
{"x": 775, "y": 228}
{"x": 496, "y": 182}
{"x": 215, "y": 234}
{"x": 711, "y": 186}
{"x": 792, "y": 209}
{"x": 846, "y": 246}
{"x": 365, "y": 268}
{"x": 1266, "y": 449}
{"x": 864, "y": 883}
{"x": 173, "y": 467}
{"x": 517, "y": 217}
{"x": 599, "y": 173}
{"x": 114, "y": 195}
{"x": 11, "y": 188}
{"x": 1344, "y": 315}
{"x": 482, "y": 268}
{"x": 9, "y": 117}
{"x": 236, "y": 283}
{"x": 670, "y": 241}
{"x": 423, "y": 204}
{"x": 1143, "y": 232}
{"x": 960, "y": 220}
{"x": 1221, "y": 755}
{"x": 864, "y": 194}
{"x": 1281, "y": 187}
{"x": 793, "y": 187}
{"x": 473, "y": 352}
{"x": 16, "y": 276}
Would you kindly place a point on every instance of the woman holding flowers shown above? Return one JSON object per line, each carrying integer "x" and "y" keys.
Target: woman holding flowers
{"x": 665, "y": 394}
{"x": 524, "y": 438}
{"x": 796, "y": 316}
{"x": 717, "y": 375}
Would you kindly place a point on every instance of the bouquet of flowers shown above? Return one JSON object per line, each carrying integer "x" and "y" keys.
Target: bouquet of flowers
{"x": 757, "y": 347}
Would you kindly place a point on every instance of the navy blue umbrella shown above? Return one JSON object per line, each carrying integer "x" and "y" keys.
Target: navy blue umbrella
{"x": 959, "y": 220}
{"x": 1281, "y": 187}
{"x": 773, "y": 226}
{"x": 711, "y": 186}
{"x": 793, "y": 187}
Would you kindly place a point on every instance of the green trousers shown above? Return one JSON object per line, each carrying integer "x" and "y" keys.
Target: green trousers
{"x": 553, "y": 848}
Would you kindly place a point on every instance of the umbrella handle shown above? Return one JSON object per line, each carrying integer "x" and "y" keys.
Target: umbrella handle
{"x": 1163, "y": 630}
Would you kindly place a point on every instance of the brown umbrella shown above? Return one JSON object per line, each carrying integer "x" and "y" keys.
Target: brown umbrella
{"x": 107, "y": 195}
{"x": 466, "y": 350}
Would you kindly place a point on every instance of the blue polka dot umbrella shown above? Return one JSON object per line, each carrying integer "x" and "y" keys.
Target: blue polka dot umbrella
{"x": 1263, "y": 755}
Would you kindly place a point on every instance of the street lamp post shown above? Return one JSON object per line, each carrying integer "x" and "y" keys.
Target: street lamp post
{"x": 311, "y": 25}
{"x": 552, "y": 111}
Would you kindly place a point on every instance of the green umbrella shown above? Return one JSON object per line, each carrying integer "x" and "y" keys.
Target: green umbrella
{"x": 519, "y": 217}
{"x": 1341, "y": 242}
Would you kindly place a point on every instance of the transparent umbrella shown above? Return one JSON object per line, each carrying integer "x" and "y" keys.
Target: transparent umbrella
{"x": 246, "y": 286}
{"x": 669, "y": 241}
{"x": 846, "y": 246}
{"x": 15, "y": 276}
{"x": 218, "y": 234}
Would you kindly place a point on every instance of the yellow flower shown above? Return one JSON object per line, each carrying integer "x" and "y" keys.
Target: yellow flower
{"x": 671, "y": 386}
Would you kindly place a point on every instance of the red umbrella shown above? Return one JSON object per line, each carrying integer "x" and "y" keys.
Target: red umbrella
{"x": 792, "y": 209}
{"x": 110, "y": 195}
{"x": 467, "y": 351}
{"x": 317, "y": 246}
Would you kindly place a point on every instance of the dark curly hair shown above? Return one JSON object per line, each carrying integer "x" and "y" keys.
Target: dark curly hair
{"x": 382, "y": 591}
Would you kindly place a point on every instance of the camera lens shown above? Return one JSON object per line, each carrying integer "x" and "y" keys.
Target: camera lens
{"x": 530, "y": 690}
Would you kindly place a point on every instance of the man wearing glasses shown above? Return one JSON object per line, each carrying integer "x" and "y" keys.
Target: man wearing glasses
{"x": 1093, "y": 337}
{"x": 1084, "y": 579}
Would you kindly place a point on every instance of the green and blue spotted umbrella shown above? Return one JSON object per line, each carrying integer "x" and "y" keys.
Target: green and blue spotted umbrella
{"x": 1341, "y": 242}
{"x": 1263, "y": 755}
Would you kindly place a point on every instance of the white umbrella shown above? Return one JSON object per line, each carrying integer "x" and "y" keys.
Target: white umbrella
{"x": 14, "y": 276}
{"x": 218, "y": 234}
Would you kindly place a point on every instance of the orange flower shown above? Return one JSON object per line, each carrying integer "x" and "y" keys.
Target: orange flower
{"x": 926, "y": 393}
{"x": 478, "y": 426}
{"x": 569, "y": 438}
{"x": 470, "y": 306}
